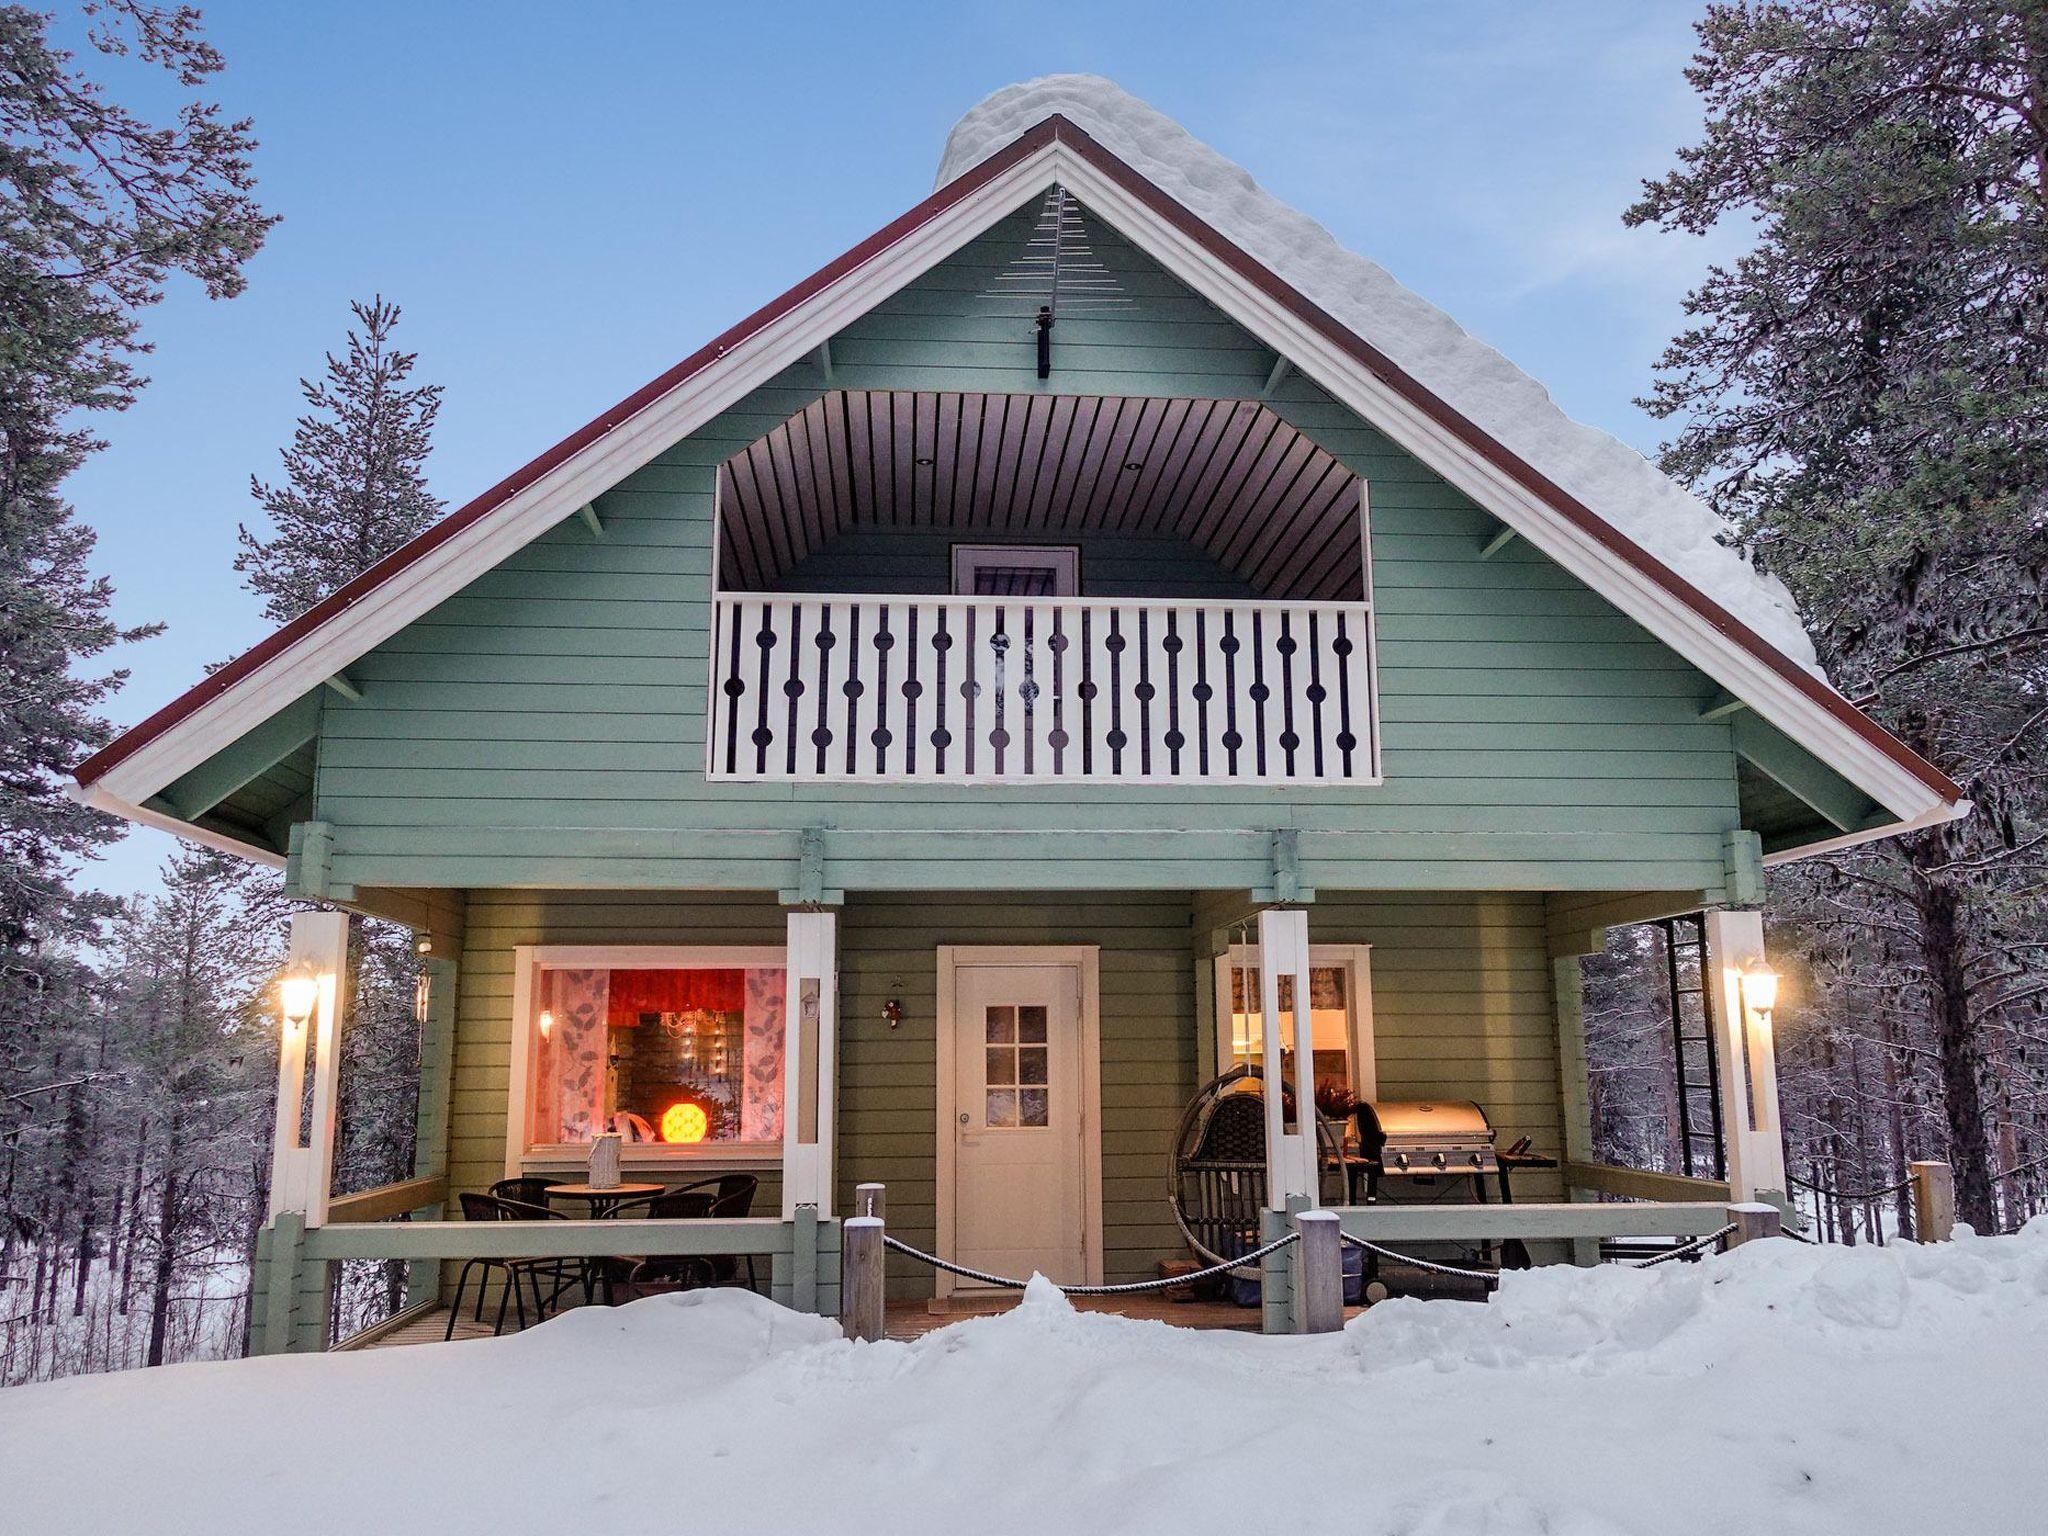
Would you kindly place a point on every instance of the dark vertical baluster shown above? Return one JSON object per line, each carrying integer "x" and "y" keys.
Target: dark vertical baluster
{"x": 1144, "y": 693}
{"x": 1231, "y": 738}
{"x": 1115, "y": 646}
{"x": 794, "y": 687}
{"x": 968, "y": 691}
{"x": 827, "y": 641}
{"x": 765, "y": 638}
{"x": 999, "y": 675}
{"x": 1316, "y": 692}
{"x": 1087, "y": 695}
{"x": 942, "y": 702}
{"x": 1290, "y": 739}
{"x": 911, "y": 689}
{"x": 1346, "y": 737}
{"x": 1027, "y": 691}
{"x": 853, "y": 687}
{"x": 735, "y": 685}
{"x": 1260, "y": 692}
{"x": 884, "y": 643}
{"x": 1202, "y": 692}
{"x": 1058, "y": 736}
{"x": 1174, "y": 738}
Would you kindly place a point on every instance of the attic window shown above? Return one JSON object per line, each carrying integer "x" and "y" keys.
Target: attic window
{"x": 1016, "y": 570}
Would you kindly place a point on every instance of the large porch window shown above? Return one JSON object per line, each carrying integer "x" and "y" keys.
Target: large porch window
{"x": 678, "y": 1050}
{"x": 1340, "y": 1020}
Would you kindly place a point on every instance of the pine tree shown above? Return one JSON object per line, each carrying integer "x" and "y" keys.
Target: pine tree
{"x": 355, "y": 490}
{"x": 1865, "y": 393}
{"x": 102, "y": 207}
{"x": 355, "y": 476}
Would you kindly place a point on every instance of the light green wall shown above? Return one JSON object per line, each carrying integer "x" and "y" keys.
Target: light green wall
{"x": 1460, "y": 1000}
{"x": 546, "y": 727}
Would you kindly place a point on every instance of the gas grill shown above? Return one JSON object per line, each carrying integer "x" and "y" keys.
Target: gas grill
{"x": 1425, "y": 1137}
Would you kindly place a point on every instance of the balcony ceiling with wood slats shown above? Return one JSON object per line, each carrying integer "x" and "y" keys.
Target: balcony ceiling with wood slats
{"x": 1228, "y": 476}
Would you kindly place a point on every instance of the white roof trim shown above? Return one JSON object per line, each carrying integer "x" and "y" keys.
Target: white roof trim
{"x": 445, "y": 570}
{"x": 99, "y": 799}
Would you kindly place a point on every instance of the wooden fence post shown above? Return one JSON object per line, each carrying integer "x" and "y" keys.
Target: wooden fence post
{"x": 1754, "y": 1219}
{"x": 861, "y": 1312}
{"x": 1319, "y": 1273}
{"x": 1934, "y": 1201}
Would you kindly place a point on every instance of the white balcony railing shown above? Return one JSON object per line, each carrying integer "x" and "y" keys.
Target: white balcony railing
{"x": 1040, "y": 690}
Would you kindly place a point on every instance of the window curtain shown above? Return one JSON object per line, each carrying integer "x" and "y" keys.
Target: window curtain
{"x": 569, "y": 1076}
{"x": 762, "y": 1088}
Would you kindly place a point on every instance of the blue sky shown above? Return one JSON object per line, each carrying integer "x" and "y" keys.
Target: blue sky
{"x": 567, "y": 199}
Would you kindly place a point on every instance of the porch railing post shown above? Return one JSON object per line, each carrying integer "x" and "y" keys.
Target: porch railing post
{"x": 1318, "y": 1273}
{"x": 1746, "y": 1055}
{"x": 1754, "y": 1219}
{"x": 861, "y": 1309}
{"x": 302, "y": 1154}
{"x": 1934, "y": 1201}
{"x": 811, "y": 1019}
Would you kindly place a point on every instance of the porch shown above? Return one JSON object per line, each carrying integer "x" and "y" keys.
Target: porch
{"x": 1444, "y": 996}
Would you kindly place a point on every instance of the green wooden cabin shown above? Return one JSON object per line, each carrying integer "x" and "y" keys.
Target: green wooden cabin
{"x": 883, "y": 748}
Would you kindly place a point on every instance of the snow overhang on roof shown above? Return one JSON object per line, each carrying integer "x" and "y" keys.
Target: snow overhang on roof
{"x": 1596, "y": 507}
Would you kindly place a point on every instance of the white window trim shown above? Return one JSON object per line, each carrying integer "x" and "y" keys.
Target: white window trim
{"x": 528, "y": 960}
{"x": 1063, "y": 560}
{"x": 1356, "y": 960}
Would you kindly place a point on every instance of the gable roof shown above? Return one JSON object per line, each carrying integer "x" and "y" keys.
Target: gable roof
{"x": 1531, "y": 499}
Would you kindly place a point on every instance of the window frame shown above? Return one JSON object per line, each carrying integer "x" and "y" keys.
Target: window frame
{"x": 1063, "y": 560}
{"x": 528, "y": 961}
{"x": 1361, "y": 1049}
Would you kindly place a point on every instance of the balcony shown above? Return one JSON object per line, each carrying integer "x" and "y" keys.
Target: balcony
{"x": 1145, "y": 591}
{"x": 828, "y": 688}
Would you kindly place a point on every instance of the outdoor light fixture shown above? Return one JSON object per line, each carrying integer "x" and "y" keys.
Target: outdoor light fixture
{"x": 298, "y": 994}
{"x": 547, "y": 1023}
{"x": 1759, "y": 985}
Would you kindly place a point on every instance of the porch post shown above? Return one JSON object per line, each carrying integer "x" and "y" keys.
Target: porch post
{"x": 1291, "y": 1167}
{"x": 1748, "y": 1057}
{"x": 289, "y": 1296}
{"x": 811, "y": 1017}
{"x": 302, "y": 1152}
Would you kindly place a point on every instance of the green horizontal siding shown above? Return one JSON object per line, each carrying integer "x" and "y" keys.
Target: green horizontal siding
{"x": 1461, "y": 1005}
{"x": 546, "y": 727}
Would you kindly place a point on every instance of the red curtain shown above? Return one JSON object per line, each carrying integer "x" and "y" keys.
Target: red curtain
{"x": 636, "y": 992}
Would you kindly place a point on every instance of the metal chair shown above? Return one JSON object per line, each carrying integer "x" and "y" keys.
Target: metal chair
{"x": 518, "y": 1272}
{"x": 528, "y": 1189}
{"x": 692, "y": 1202}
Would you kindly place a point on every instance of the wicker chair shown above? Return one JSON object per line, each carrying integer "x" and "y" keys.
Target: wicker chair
{"x": 519, "y": 1273}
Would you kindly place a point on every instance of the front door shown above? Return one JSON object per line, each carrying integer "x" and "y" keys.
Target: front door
{"x": 1019, "y": 1172}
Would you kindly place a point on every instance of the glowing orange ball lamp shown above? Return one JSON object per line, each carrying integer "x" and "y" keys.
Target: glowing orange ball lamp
{"x": 684, "y": 1123}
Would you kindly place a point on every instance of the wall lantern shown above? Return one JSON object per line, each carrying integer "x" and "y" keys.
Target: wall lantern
{"x": 1759, "y": 988}
{"x": 547, "y": 1023}
{"x": 298, "y": 994}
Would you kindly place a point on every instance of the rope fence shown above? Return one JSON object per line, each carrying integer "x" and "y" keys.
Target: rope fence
{"x": 1127, "y": 1288}
{"x": 1257, "y": 1255}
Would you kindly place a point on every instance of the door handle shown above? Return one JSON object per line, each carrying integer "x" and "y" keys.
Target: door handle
{"x": 965, "y": 1118}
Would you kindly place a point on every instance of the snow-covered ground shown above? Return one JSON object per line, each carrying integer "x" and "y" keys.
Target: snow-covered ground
{"x": 1779, "y": 1389}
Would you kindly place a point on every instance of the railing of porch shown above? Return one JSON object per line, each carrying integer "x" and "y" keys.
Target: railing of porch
{"x": 988, "y": 690}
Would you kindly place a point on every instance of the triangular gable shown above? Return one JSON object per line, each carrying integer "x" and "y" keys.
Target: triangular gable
{"x": 320, "y": 643}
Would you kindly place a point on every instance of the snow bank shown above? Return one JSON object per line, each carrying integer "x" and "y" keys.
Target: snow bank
{"x": 1606, "y": 474}
{"x": 1781, "y": 1389}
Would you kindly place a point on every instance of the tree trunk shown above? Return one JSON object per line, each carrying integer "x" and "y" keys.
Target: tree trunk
{"x": 127, "y": 1287}
{"x": 1939, "y": 910}
{"x": 165, "y": 1267}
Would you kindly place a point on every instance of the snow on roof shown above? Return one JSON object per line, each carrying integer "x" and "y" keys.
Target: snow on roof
{"x": 1610, "y": 477}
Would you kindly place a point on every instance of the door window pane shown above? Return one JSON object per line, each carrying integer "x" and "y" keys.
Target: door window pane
{"x": 1002, "y": 1107}
{"x": 1002, "y": 1024}
{"x": 1034, "y": 1107}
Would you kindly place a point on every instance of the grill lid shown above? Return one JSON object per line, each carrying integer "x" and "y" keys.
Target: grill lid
{"x": 1423, "y": 1136}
